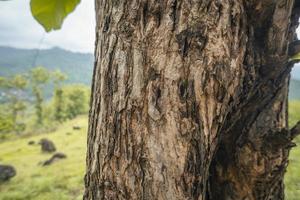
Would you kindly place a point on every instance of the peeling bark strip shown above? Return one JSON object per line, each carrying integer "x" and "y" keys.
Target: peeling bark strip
{"x": 189, "y": 100}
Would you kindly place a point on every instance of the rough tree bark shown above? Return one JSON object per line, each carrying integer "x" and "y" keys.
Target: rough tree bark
{"x": 189, "y": 99}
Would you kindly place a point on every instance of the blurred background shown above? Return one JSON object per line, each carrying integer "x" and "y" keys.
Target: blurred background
{"x": 44, "y": 101}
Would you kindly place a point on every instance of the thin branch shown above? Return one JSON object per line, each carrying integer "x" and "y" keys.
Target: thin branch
{"x": 295, "y": 131}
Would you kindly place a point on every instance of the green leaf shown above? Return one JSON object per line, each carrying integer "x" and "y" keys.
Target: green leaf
{"x": 51, "y": 13}
{"x": 296, "y": 57}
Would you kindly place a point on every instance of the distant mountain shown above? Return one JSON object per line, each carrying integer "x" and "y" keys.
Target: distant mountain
{"x": 77, "y": 66}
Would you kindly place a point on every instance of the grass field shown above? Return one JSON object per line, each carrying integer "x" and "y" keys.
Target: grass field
{"x": 63, "y": 180}
{"x": 292, "y": 178}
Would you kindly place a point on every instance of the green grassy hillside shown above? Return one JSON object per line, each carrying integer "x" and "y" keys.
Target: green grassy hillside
{"x": 63, "y": 180}
{"x": 292, "y": 178}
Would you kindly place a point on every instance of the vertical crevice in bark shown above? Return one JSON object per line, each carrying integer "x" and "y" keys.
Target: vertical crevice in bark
{"x": 257, "y": 142}
{"x": 174, "y": 13}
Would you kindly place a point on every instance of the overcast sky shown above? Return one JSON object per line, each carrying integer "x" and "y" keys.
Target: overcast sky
{"x": 19, "y": 29}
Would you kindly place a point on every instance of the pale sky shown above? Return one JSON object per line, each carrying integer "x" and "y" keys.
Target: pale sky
{"x": 19, "y": 29}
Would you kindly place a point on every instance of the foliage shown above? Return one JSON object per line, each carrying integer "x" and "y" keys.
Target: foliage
{"x": 39, "y": 77}
{"x": 59, "y": 105}
{"x": 13, "y": 88}
{"x": 70, "y": 101}
{"x": 58, "y": 78}
{"x": 17, "y": 82}
{"x": 2, "y": 82}
{"x": 38, "y": 105}
{"x": 77, "y": 100}
{"x": 6, "y": 124}
{"x": 6, "y": 121}
{"x": 51, "y": 13}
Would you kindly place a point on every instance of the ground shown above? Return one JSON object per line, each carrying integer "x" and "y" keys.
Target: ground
{"x": 292, "y": 178}
{"x": 63, "y": 180}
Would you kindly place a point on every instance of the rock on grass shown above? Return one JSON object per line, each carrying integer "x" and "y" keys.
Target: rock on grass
{"x": 47, "y": 145}
{"x": 7, "y": 172}
{"x": 56, "y": 157}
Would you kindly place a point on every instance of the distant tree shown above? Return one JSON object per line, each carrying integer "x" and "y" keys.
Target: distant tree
{"x": 39, "y": 77}
{"x": 77, "y": 98}
{"x": 14, "y": 89}
{"x": 6, "y": 123}
{"x": 2, "y": 81}
{"x": 58, "y": 78}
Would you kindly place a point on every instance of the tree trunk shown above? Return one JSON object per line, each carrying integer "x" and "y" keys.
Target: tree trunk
{"x": 189, "y": 99}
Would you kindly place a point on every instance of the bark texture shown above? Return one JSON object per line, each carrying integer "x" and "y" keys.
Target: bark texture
{"x": 189, "y": 99}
